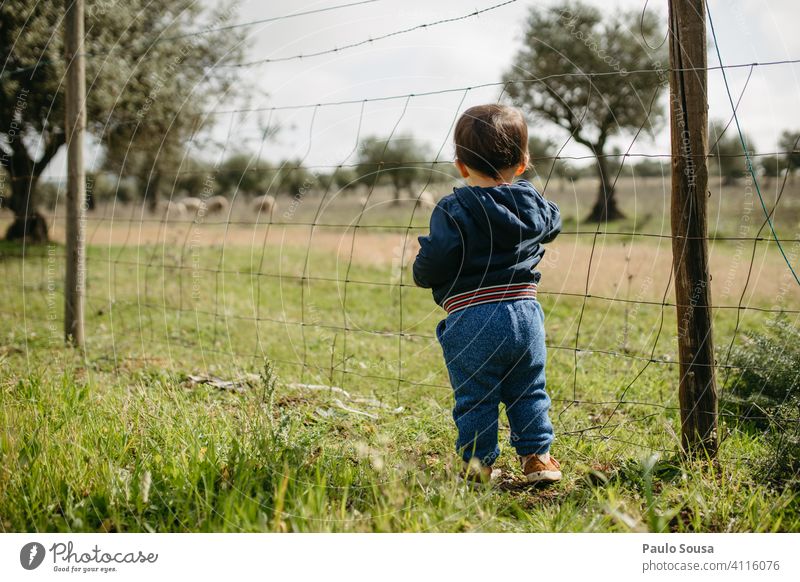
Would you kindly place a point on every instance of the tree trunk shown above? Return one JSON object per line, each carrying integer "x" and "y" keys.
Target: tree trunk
{"x": 605, "y": 208}
{"x": 31, "y": 229}
{"x": 29, "y": 225}
{"x": 152, "y": 190}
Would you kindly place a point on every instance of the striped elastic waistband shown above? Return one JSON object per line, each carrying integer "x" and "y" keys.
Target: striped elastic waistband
{"x": 490, "y": 295}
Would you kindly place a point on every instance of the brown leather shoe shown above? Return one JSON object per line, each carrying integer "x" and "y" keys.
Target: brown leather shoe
{"x": 538, "y": 471}
{"x": 476, "y": 473}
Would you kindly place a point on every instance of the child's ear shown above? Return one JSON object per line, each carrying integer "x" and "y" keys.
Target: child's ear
{"x": 462, "y": 168}
{"x": 522, "y": 167}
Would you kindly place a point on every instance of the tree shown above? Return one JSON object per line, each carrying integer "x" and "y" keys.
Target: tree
{"x": 241, "y": 173}
{"x": 293, "y": 179}
{"x": 191, "y": 178}
{"x": 340, "y": 179}
{"x": 652, "y": 168}
{"x": 592, "y": 109}
{"x": 344, "y": 179}
{"x": 401, "y": 161}
{"x": 544, "y": 162}
{"x": 542, "y": 152}
{"x": 772, "y": 166}
{"x": 725, "y": 151}
{"x": 146, "y": 87}
{"x": 790, "y": 144}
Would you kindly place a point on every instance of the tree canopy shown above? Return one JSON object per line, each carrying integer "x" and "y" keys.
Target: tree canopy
{"x": 725, "y": 151}
{"x": 400, "y": 161}
{"x": 147, "y": 83}
{"x": 790, "y": 144}
{"x": 576, "y": 70}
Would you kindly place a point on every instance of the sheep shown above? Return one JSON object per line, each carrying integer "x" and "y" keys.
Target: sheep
{"x": 264, "y": 204}
{"x": 172, "y": 209}
{"x": 425, "y": 199}
{"x": 217, "y": 204}
{"x": 192, "y": 204}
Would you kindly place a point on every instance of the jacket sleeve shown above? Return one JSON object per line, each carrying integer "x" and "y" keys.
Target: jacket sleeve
{"x": 553, "y": 220}
{"x": 441, "y": 252}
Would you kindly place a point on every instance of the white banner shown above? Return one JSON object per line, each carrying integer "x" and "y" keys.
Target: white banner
{"x": 406, "y": 557}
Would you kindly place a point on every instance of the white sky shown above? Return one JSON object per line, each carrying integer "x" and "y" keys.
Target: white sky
{"x": 470, "y": 52}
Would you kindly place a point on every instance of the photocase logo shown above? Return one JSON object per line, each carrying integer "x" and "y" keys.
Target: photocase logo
{"x": 31, "y": 555}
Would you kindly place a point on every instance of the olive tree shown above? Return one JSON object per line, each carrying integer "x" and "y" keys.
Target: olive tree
{"x": 789, "y": 143}
{"x": 725, "y": 152}
{"x": 577, "y": 69}
{"x": 147, "y": 82}
{"x": 400, "y": 161}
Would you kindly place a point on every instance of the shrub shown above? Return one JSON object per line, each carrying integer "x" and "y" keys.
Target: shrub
{"x": 765, "y": 392}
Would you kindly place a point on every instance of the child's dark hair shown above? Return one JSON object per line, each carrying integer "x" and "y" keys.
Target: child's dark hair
{"x": 491, "y": 138}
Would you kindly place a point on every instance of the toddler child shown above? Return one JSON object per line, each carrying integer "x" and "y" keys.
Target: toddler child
{"x": 479, "y": 259}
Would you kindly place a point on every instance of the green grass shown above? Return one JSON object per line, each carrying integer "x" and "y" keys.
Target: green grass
{"x": 142, "y": 451}
{"x": 117, "y": 439}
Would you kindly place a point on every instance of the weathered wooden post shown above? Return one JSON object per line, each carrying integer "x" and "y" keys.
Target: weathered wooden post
{"x": 75, "y": 109}
{"x": 689, "y": 129}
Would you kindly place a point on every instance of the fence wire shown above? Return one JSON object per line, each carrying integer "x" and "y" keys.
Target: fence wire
{"x": 157, "y": 291}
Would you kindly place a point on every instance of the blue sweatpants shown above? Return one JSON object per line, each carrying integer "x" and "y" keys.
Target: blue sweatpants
{"x": 495, "y": 353}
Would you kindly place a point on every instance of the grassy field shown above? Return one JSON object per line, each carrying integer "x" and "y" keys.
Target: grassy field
{"x": 245, "y": 376}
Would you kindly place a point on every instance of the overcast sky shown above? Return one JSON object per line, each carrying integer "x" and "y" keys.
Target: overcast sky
{"x": 470, "y": 52}
{"x": 466, "y": 53}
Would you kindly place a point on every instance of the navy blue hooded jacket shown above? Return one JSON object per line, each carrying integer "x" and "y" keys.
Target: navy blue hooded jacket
{"x": 481, "y": 237}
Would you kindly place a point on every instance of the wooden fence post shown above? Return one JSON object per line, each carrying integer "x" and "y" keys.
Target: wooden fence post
{"x": 689, "y": 130}
{"x": 75, "y": 109}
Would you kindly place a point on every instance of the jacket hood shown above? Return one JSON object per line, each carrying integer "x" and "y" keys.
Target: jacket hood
{"x": 507, "y": 214}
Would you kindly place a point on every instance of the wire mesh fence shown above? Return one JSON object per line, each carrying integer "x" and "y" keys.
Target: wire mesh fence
{"x": 315, "y": 279}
